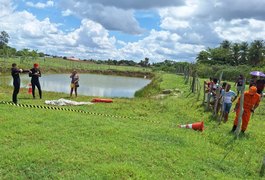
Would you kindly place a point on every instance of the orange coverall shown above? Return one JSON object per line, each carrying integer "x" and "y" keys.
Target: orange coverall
{"x": 250, "y": 101}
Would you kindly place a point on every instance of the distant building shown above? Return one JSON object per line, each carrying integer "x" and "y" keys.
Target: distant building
{"x": 72, "y": 58}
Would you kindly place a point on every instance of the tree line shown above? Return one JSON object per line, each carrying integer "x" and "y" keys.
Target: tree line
{"x": 234, "y": 54}
{"x": 8, "y": 51}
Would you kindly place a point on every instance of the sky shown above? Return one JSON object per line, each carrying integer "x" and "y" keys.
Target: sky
{"x": 130, "y": 29}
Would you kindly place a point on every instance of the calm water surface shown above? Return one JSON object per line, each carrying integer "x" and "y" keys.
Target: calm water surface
{"x": 90, "y": 84}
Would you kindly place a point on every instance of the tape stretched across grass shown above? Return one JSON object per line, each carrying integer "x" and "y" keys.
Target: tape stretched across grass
{"x": 71, "y": 110}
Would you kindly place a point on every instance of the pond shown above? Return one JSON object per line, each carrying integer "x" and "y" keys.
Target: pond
{"x": 90, "y": 84}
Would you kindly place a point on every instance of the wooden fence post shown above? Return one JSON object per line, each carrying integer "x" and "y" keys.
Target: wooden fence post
{"x": 204, "y": 90}
{"x": 241, "y": 110}
{"x": 215, "y": 112}
{"x": 187, "y": 75}
{"x": 198, "y": 88}
{"x": 193, "y": 83}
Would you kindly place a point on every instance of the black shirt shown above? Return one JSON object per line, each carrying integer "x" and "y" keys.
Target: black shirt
{"x": 15, "y": 74}
{"x": 35, "y": 74}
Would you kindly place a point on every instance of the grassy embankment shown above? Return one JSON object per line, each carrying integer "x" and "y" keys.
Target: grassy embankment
{"x": 59, "y": 65}
{"x": 38, "y": 143}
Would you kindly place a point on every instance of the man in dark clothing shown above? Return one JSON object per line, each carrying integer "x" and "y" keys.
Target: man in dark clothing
{"x": 16, "y": 81}
{"x": 239, "y": 84}
{"x": 260, "y": 85}
{"x": 35, "y": 74}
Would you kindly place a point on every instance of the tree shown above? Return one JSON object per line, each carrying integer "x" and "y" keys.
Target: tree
{"x": 34, "y": 54}
{"x": 256, "y": 52}
{"x": 220, "y": 56}
{"x": 243, "y": 53}
{"x": 225, "y": 44}
{"x": 4, "y": 37}
{"x": 235, "y": 54}
{"x": 203, "y": 57}
{"x": 145, "y": 62}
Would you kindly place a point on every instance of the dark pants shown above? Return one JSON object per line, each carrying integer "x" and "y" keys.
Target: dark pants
{"x": 16, "y": 85}
{"x": 36, "y": 83}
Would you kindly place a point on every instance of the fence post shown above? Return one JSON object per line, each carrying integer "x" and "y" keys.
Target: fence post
{"x": 198, "y": 88}
{"x": 193, "y": 84}
{"x": 204, "y": 90}
{"x": 241, "y": 110}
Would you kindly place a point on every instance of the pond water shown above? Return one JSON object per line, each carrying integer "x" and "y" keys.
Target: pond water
{"x": 90, "y": 84}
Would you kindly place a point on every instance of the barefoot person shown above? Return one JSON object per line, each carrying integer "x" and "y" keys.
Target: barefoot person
{"x": 35, "y": 74}
{"x": 74, "y": 83}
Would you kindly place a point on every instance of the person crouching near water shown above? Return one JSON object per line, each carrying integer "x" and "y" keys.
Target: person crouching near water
{"x": 251, "y": 102}
{"x": 74, "y": 83}
{"x": 35, "y": 73}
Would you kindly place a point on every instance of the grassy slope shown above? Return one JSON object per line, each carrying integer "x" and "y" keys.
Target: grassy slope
{"x": 59, "y": 65}
{"x": 37, "y": 143}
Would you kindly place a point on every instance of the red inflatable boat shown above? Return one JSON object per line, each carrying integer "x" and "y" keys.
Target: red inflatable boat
{"x": 102, "y": 100}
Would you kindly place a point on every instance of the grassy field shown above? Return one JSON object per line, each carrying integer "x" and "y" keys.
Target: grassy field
{"x": 49, "y": 144}
{"x": 61, "y": 65}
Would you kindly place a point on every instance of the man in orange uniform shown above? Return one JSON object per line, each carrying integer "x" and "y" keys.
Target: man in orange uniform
{"x": 251, "y": 102}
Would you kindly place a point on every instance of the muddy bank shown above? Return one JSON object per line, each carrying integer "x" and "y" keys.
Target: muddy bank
{"x": 140, "y": 74}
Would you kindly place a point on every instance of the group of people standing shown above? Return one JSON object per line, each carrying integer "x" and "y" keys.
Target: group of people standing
{"x": 252, "y": 98}
{"x": 35, "y": 74}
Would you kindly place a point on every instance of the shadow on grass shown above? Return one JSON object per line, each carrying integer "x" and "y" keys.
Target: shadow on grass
{"x": 23, "y": 98}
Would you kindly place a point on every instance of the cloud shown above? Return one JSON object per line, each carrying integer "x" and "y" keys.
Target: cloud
{"x": 183, "y": 29}
{"x": 239, "y": 30}
{"x": 67, "y": 12}
{"x": 110, "y": 17}
{"x": 40, "y": 5}
{"x": 117, "y": 15}
{"x": 90, "y": 40}
{"x": 210, "y": 22}
{"x": 161, "y": 45}
{"x": 126, "y": 4}
{"x": 6, "y": 8}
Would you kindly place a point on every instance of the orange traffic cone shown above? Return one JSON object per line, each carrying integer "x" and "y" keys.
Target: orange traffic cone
{"x": 30, "y": 89}
{"x": 196, "y": 126}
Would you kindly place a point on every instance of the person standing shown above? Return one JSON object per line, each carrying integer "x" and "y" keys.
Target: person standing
{"x": 260, "y": 84}
{"x": 251, "y": 102}
{"x": 239, "y": 83}
{"x": 15, "y": 71}
{"x": 35, "y": 73}
{"x": 253, "y": 81}
{"x": 228, "y": 97}
{"x": 74, "y": 83}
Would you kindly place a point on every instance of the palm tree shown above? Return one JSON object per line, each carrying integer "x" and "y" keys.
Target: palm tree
{"x": 243, "y": 53}
{"x": 225, "y": 44}
{"x": 235, "y": 54}
{"x": 256, "y": 52}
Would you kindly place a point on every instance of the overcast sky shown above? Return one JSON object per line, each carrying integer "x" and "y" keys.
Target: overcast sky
{"x": 130, "y": 29}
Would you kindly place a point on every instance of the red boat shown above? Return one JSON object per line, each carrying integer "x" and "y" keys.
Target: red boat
{"x": 102, "y": 100}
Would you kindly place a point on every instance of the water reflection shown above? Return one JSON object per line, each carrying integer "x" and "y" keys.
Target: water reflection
{"x": 90, "y": 84}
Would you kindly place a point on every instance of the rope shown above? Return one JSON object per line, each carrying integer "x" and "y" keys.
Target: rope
{"x": 74, "y": 110}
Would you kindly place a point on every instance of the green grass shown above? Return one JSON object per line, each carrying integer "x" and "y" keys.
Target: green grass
{"x": 49, "y": 144}
{"x": 61, "y": 65}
